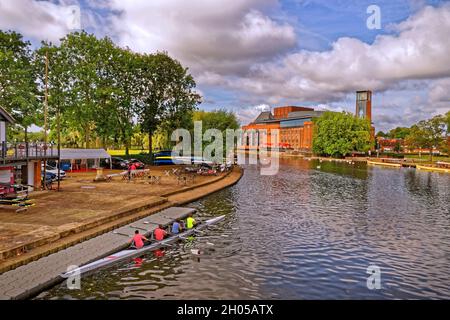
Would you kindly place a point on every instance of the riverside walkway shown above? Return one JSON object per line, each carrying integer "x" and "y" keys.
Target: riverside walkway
{"x": 30, "y": 279}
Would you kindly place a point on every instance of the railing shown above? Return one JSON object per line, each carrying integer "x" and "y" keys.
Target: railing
{"x": 27, "y": 150}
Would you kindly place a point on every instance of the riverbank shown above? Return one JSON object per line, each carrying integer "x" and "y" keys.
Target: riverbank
{"x": 84, "y": 209}
{"x": 407, "y": 162}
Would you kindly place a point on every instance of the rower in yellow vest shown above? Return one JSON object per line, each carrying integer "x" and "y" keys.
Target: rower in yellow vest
{"x": 190, "y": 222}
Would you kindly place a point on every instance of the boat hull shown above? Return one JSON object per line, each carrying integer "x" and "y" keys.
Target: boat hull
{"x": 133, "y": 253}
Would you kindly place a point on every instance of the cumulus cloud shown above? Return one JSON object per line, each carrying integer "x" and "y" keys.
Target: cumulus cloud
{"x": 248, "y": 114}
{"x": 221, "y": 36}
{"x": 39, "y": 20}
{"x": 240, "y": 48}
{"x": 418, "y": 50}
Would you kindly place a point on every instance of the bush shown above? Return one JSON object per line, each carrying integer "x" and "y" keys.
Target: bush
{"x": 393, "y": 155}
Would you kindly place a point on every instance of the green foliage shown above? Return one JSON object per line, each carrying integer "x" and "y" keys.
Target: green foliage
{"x": 166, "y": 95}
{"x": 428, "y": 134}
{"x": 102, "y": 92}
{"x": 338, "y": 134}
{"x": 399, "y": 133}
{"x": 217, "y": 119}
{"x": 18, "y": 93}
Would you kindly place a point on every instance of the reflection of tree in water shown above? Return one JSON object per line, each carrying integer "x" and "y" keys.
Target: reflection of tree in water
{"x": 216, "y": 204}
{"x": 357, "y": 170}
{"x": 429, "y": 187}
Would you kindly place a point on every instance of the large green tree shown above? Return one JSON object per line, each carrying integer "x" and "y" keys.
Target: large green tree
{"x": 338, "y": 134}
{"x": 166, "y": 94}
{"x": 428, "y": 134}
{"x": 18, "y": 90}
{"x": 399, "y": 133}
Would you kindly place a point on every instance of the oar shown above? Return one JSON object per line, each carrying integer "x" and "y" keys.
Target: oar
{"x": 122, "y": 234}
{"x": 133, "y": 227}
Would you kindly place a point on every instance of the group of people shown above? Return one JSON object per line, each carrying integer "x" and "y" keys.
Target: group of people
{"x": 160, "y": 233}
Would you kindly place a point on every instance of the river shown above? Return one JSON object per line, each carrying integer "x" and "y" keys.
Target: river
{"x": 309, "y": 232}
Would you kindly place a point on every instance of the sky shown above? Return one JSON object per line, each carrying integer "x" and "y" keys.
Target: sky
{"x": 252, "y": 55}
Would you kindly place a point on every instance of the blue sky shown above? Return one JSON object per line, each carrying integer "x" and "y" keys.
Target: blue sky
{"x": 250, "y": 55}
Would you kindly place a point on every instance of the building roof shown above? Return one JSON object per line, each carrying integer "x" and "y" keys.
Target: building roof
{"x": 295, "y": 108}
{"x": 72, "y": 154}
{"x": 304, "y": 114}
{"x": 264, "y": 117}
{"x": 5, "y": 116}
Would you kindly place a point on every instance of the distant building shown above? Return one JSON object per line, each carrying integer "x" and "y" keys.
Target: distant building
{"x": 390, "y": 145}
{"x": 294, "y": 125}
{"x": 364, "y": 111}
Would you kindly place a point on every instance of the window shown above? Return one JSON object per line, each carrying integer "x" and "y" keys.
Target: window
{"x": 362, "y": 96}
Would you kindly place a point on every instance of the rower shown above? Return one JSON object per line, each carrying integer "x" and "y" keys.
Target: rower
{"x": 190, "y": 222}
{"x": 176, "y": 227}
{"x": 160, "y": 233}
{"x": 138, "y": 240}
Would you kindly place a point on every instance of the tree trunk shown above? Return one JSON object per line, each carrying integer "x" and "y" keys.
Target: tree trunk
{"x": 150, "y": 143}
{"x": 86, "y": 138}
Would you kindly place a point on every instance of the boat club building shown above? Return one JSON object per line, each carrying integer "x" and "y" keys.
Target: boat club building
{"x": 20, "y": 162}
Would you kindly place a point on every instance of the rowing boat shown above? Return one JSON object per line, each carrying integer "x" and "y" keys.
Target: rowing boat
{"x": 132, "y": 253}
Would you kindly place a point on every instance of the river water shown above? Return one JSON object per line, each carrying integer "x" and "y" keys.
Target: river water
{"x": 309, "y": 232}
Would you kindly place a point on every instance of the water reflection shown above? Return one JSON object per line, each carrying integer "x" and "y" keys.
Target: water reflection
{"x": 305, "y": 233}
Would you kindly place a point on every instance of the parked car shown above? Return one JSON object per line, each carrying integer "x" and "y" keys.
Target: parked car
{"x": 139, "y": 164}
{"x": 49, "y": 176}
{"x": 54, "y": 170}
{"x": 118, "y": 163}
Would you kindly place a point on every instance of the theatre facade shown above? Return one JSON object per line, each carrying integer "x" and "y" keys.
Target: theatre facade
{"x": 289, "y": 127}
{"x": 292, "y": 127}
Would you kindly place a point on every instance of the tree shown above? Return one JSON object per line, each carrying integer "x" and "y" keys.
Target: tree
{"x": 338, "y": 134}
{"x": 166, "y": 94}
{"x": 427, "y": 134}
{"x": 217, "y": 119}
{"x": 18, "y": 90}
{"x": 381, "y": 134}
{"x": 397, "y": 147}
{"x": 399, "y": 133}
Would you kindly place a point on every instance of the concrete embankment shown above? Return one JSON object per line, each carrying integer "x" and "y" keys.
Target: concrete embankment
{"x": 17, "y": 266}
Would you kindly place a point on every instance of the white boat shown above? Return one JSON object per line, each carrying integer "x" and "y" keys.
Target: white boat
{"x": 132, "y": 253}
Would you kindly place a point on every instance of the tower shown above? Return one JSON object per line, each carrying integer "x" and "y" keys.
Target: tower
{"x": 364, "y": 111}
{"x": 364, "y": 105}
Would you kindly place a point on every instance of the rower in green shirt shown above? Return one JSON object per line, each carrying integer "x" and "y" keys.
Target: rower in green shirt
{"x": 190, "y": 222}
